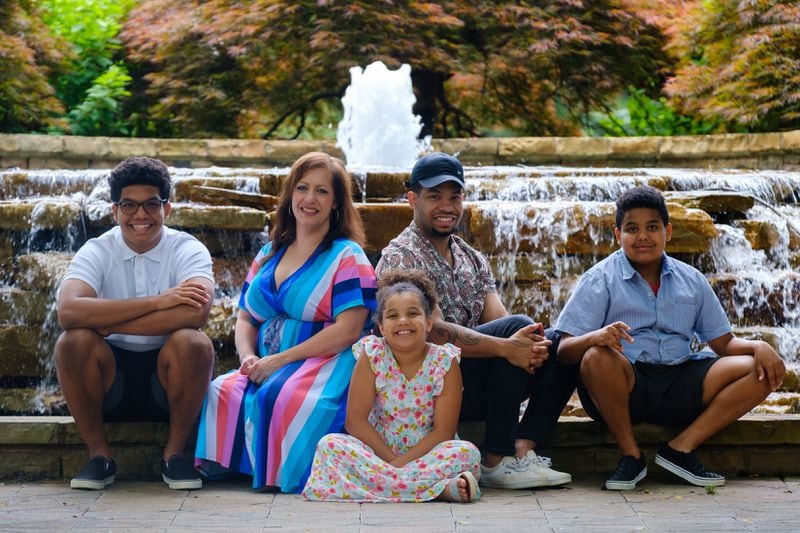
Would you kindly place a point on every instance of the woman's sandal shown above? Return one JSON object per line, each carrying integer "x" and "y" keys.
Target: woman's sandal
{"x": 473, "y": 492}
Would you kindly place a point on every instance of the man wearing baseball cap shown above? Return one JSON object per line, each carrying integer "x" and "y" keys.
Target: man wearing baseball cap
{"x": 505, "y": 358}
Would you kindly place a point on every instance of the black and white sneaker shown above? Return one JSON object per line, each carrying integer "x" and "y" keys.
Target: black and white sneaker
{"x": 179, "y": 474}
{"x": 629, "y": 472}
{"x": 688, "y": 467}
{"x": 98, "y": 474}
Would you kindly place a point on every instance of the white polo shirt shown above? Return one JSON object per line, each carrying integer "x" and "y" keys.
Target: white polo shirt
{"x": 116, "y": 272}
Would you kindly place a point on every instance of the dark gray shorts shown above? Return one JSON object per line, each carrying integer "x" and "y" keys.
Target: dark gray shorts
{"x": 666, "y": 395}
{"x": 136, "y": 393}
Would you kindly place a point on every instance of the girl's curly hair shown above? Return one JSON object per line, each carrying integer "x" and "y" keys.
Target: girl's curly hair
{"x": 394, "y": 281}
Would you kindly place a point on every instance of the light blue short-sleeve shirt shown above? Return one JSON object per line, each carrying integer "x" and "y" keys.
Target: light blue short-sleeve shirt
{"x": 116, "y": 272}
{"x": 662, "y": 326}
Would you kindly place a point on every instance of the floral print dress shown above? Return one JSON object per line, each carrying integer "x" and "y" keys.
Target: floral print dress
{"x": 346, "y": 469}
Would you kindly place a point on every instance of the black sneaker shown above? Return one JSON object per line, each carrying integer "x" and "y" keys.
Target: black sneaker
{"x": 688, "y": 467}
{"x": 629, "y": 472}
{"x": 98, "y": 474}
{"x": 179, "y": 474}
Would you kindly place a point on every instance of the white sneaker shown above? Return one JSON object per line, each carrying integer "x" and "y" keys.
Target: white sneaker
{"x": 522, "y": 473}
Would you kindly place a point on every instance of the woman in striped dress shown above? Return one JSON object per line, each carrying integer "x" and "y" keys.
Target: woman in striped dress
{"x": 305, "y": 301}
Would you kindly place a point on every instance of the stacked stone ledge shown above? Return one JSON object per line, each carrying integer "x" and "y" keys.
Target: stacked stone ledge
{"x": 754, "y": 150}
{"x": 49, "y": 447}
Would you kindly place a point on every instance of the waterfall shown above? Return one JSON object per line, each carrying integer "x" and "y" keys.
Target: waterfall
{"x": 541, "y": 227}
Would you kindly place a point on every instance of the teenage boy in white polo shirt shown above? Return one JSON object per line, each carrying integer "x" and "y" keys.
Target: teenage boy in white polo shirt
{"x": 131, "y": 305}
{"x": 630, "y": 323}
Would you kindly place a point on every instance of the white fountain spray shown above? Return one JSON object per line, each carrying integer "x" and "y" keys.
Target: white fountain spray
{"x": 379, "y": 128}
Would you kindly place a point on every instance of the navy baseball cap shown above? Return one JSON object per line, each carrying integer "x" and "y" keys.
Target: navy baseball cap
{"x": 434, "y": 169}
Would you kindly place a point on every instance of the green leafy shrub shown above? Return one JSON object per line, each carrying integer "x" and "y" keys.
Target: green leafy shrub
{"x": 641, "y": 115}
{"x": 95, "y": 86}
{"x": 101, "y": 113}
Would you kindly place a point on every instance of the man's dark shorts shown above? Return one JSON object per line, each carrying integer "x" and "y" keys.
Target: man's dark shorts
{"x": 666, "y": 395}
{"x": 136, "y": 393}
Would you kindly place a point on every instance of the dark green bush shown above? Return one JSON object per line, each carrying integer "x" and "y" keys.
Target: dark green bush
{"x": 641, "y": 115}
{"x": 100, "y": 113}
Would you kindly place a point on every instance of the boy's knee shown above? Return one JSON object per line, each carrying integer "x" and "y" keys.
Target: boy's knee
{"x": 555, "y": 338}
{"x": 74, "y": 347}
{"x": 77, "y": 338}
{"x": 728, "y": 370}
{"x": 599, "y": 360}
{"x": 190, "y": 347}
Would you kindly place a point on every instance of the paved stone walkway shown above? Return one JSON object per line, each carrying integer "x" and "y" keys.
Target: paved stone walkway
{"x": 764, "y": 504}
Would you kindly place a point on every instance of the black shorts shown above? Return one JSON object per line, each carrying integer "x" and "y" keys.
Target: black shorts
{"x": 136, "y": 394}
{"x": 666, "y": 395}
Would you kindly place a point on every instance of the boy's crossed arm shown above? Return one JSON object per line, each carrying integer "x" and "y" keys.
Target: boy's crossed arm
{"x": 185, "y": 305}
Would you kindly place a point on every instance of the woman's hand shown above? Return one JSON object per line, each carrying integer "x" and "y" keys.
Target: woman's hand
{"x": 247, "y": 364}
{"x": 260, "y": 370}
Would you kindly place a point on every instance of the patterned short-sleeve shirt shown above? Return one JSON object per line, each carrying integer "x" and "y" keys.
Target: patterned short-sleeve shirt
{"x": 462, "y": 288}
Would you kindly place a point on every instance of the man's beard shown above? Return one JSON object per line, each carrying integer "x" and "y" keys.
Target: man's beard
{"x": 446, "y": 233}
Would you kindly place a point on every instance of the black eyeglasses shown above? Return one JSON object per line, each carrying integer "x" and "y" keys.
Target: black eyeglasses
{"x": 129, "y": 207}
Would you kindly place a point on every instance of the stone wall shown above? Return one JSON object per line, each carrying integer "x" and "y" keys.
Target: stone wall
{"x": 761, "y": 151}
{"x": 49, "y": 447}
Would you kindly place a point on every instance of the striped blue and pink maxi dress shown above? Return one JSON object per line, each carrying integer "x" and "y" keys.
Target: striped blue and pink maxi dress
{"x": 270, "y": 431}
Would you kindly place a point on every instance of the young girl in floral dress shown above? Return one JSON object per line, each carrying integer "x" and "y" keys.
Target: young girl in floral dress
{"x": 402, "y": 411}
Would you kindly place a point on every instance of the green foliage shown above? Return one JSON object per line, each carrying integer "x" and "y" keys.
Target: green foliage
{"x": 91, "y": 26}
{"x": 101, "y": 113}
{"x": 28, "y": 55}
{"x": 266, "y": 67}
{"x": 94, "y": 87}
{"x": 640, "y": 115}
{"x": 740, "y": 64}
{"x": 88, "y": 24}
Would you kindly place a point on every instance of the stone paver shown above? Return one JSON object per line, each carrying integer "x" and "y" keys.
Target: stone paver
{"x": 745, "y": 504}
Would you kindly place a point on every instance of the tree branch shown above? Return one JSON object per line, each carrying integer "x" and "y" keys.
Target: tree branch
{"x": 301, "y": 110}
{"x": 468, "y": 130}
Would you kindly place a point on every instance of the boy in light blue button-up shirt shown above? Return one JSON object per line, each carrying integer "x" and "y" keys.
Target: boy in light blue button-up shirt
{"x": 630, "y": 322}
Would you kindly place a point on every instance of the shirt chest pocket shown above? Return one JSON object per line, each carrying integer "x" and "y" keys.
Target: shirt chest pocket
{"x": 681, "y": 316}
